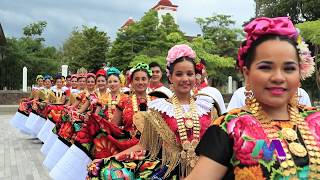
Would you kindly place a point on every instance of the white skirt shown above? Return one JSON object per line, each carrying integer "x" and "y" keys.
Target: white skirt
{"x": 15, "y": 120}
{"x": 37, "y": 125}
{"x": 73, "y": 165}
{"x": 55, "y": 154}
{"x": 19, "y": 121}
{"x": 45, "y": 130}
{"x": 32, "y": 119}
{"x": 48, "y": 143}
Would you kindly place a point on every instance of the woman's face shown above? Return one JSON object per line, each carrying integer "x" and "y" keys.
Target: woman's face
{"x": 74, "y": 83}
{"x": 140, "y": 81}
{"x": 40, "y": 82}
{"x": 156, "y": 74}
{"x": 274, "y": 73}
{"x": 82, "y": 83}
{"x": 47, "y": 83}
{"x": 59, "y": 83}
{"x": 101, "y": 83}
{"x": 114, "y": 83}
{"x": 68, "y": 82}
{"x": 183, "y": 77}
{"x": 91, "y": 82}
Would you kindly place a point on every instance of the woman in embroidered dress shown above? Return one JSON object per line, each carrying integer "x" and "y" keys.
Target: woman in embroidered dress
{"x": 25, "y": 105}
{"x": 170, "y": 130}
{"x": 92, "y": 138}
{"x": 111, "y": 138}
{"x": 69, "y": 123}
{"x": 125, "y": 133}
{"x": 241, "y": 144}
{"x": 101, "y": 146}
{"x": 89, "y": 138}
{"x": 39, "y": 80}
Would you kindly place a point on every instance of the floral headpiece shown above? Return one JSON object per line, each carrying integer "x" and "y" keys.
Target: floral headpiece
{"x": 39, "y": 77}
{"x": 82, "y": 73}
{"x": 200, "y": 67}
{"x": 113, "y": 71}
{"x": 141, "y": 66}
{"x": 101, "y": 72}
{"x": 74, "y": 76}
{"x": 279, "y": 26}
{"x": 307, "y": 64}
{"x": 91, "y": 75}
{"x": 178, "y": 51}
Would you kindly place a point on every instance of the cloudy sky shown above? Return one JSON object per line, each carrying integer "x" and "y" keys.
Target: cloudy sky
{"x": 63, "y": 16}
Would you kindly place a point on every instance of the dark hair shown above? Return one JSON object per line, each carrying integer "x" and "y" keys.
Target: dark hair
{"x": 80, "y": 77}
{"x": 114, "y": 74}
{"x": 137, "y": 70}
{"x": 58, "y": 76}
{"x": 101, "y": 75}
{"x": 154, "y": 64}
{"x": 250, "y": 55}
{"x": 171, "y": 66}
{"x": 69, "y": 76}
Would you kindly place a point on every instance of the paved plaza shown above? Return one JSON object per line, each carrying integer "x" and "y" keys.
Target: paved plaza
{"x": 20, "y": 156}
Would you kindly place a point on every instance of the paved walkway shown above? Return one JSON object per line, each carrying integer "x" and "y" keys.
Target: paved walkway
{"x": 20, "y": 156}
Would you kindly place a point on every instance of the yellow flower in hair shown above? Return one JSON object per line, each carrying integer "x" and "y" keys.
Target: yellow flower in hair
{"x": 122, "y": 79}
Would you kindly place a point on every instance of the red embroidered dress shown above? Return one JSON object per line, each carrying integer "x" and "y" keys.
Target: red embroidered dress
{"x": 137, "y": 165}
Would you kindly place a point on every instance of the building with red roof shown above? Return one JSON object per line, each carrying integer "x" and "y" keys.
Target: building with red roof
{"x": 127, "y": 23}
{"x": 164, "y": 7}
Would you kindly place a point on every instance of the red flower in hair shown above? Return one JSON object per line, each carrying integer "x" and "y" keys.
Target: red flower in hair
{"x": 101, "y": 72}
{"x": 199, "y": 68}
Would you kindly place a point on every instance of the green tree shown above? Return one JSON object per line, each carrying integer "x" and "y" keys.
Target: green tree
{"x": 28, "y": 51}
{"x": 87, "y": 48}
{"x": 218, "y": 29}
{"x": 218, "y": 67}
{"x": 298, "y": 10}
{"x": 35, "y": 30}
{"x": 145, "y": 37}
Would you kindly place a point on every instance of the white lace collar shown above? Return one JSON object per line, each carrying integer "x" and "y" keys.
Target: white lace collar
{"x": 204, "y": 105}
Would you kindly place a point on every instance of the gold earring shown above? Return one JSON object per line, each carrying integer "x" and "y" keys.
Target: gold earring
{"x": 294, "y": 100}
{"x": 249, "y": 95}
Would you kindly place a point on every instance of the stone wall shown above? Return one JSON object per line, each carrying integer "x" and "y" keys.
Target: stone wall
{"x": 12, "y": 97}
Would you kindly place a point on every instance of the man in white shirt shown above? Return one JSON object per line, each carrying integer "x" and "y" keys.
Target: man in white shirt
{"x": 238, "y": 98}
{"x": 155, "y": 84}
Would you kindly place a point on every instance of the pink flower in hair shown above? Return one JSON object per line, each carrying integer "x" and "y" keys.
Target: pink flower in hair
{"x": 307, "y": 64}
{"x": 178, "y": 51}
{"x": 263, "y": 26}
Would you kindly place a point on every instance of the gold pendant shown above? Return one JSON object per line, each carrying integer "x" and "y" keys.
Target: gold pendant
{"x": 297, "y": 149}
{"x": 189, "y": 124}
{"x": 289, "y": 134}
{"x": 193, "y": 162}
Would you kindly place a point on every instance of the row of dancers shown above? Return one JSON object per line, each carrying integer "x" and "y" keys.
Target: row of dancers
{"x": 100, "y": 127}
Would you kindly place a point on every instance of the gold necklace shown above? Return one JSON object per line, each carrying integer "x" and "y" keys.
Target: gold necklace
{"x": 188, "y": 152}
{"x": 288, "y": 166}
{"x": 58, "y": 96}
{"x": 135, "y": 102}
{"x": 112, "y": 105}
{"x": 103, "y": 98}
